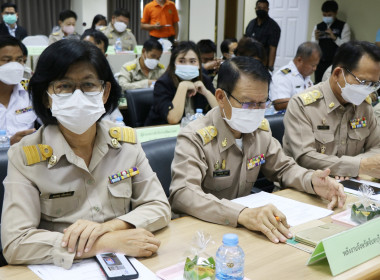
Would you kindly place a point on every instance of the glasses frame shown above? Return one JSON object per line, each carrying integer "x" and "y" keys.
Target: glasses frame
{"x": 374, "y": 85}
{"x": 102, "y": 83}
{"x": 247, "y": 105}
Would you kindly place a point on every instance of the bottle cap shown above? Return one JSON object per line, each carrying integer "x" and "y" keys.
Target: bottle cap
{"x": 230, "y": 239}
{"x": 3, "y": 132}
{"x": 119, "y": 119}
{"x": 199, "y": 110}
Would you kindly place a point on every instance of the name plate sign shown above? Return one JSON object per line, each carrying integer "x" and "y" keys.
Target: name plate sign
{"x": 349, "y": 248}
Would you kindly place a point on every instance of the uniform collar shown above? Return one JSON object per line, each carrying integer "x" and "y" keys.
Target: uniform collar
{"x": 331, "y": 101}
{"x": 294, "y": 69}
{"x": 158, "y": 4}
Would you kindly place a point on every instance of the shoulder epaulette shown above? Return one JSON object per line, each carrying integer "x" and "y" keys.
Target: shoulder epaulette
{"x": 310, "y": 97}
{"x": 25, "y": 84}
{"x": 129, "y": 30}
{"x": 368, "y": 99}
{"x": 110, "y": 36}
{"x": 286, "y": 71}
{"x": 131, "y": 67}
{"x": 161, "y": 66}
{"x": 123, "y": 134}
{"x": 207, "y": 133}
{"x": 55, "y": 33}
{"x": 37, "y": 153}
{"x": 264, "y": 125}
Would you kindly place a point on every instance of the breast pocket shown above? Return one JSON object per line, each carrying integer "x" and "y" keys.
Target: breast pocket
{"x": 216, "y": 182}
{"x": 52, "y": 209}
{"x": 252, "y": 174}
{"x": 26, "y": 118}
{"x": 324, "y": 142}
{"x": 120, "y": 194}
{"x": 356, "y": 140}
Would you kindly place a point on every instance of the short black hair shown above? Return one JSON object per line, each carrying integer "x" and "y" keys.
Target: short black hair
{"x": 224, "y": 46}
{"x": 8, "y": 5}
{"x": 8, "y": 40}
{"x": 231, "y": 70}
{"x": 330, "y": 6}
{"x": 98, "y": 37}
{"x": 67, "y": 14}
{"x": 306, "y": 49}
{"x": 348, "y": 55}
{"x": 152, "y": 44}
{"x": 53, "y": 64}
{"x": 96, "y": 19}
{"x": 262, "y": 1}
{"x": 121, "y": 12}
{"x": 247, "y": 46}
{"x": 206, "y": 46}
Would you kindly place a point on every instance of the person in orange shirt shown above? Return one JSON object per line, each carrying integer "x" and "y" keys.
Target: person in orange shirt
{"x": 161, "y": 19}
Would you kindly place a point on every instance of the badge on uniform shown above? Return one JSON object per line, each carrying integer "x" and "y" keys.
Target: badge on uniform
{"x": 24, "y": 110}
{"x": 59, "y": 195}
{"x": 123, "y": 175}
{"x": 357, "y": 123}
{"x": 256, "y": 161}
{"x": 220, "y": 173}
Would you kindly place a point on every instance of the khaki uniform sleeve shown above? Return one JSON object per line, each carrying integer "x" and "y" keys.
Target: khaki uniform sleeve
{"x": 186, "y": 194}
{"x": 300, "y": 143}
{"x": 150, "y": 208}
{"x": 126, "y": 82}
{"x": 22, "y": 241}
{"x": 372, "y": 143}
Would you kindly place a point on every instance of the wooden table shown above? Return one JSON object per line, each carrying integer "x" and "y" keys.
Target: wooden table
{"x": 264, "y": 260}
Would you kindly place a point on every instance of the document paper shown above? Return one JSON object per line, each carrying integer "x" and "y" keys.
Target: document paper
{"x": 296, "y": 212}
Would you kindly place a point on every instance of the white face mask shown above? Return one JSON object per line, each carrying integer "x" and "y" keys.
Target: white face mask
{"x": 120, "y": 26}
{"x": 354, "y": 94}
{"x": 186, "y": 72}
{"x": 244, "y": 120}
{"x": 98, "y": 27}
{"x": 79, "y": 111}
{"x": 68, "y": 29}
{"x": 11, "y": 73}
{"x": 151, "y": 63}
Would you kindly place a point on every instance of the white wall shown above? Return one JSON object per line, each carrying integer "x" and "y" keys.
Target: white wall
{"x": 249, "y": 12}
{"x": 183, "y": 7}
{"x": 202, "y": 20}
{"x": 86, "y": 10}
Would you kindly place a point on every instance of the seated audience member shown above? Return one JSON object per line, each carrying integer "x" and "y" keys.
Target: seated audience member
{"x": 117, "y": 28}
{"x": 227, "y": 47}
{"x": 9, "y": 26}
{"x": 16, "y": 111}
{"x": 210, "y": 64}
{"x": 218, "y": 157}
{"x": 64, "y": 196}
{"x": 295, "y": 76}
{"x": 145, "y": 70}
{"x": 97, "y": 38}
{"x": 27, "y": 70}
{"x": 182, "y": 88}
{"x": 67, "y": 21}
{"x": 99, "y": 23}
{"x": 332, "y": 125}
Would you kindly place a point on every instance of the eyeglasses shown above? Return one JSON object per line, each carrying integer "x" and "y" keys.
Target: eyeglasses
{"x": 251, "y": 105}
{"x": 67, "y": 87}
{"x": 370, "y": 84}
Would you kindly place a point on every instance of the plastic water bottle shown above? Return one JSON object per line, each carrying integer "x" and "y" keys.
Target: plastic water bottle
{"x": 270, "y": 111}
{"x": 118, "y": 45}
{"x": 185, "y": 120}
{"x": 4, "y": 140}
{"x": 198, "y": 113}
{"x": 229, "y": 259}
{"x": 119, "y": 121}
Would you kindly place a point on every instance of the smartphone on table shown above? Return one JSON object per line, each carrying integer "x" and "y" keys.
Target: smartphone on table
{"x": 116, "y": 266}
{"x": 355, "y": 186}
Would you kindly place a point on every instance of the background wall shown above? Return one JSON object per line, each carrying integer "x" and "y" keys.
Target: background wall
{"x": 202, "y": 20}
{"x": 362, "y": 17}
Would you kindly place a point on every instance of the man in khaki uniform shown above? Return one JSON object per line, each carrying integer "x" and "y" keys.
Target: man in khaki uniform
{"x": 332, "y": 124}
{"x": 218, "y": 157}
{"x": 145, "y": 70}
{"x": 67, "y": 21}
{"x": 48, "y": 188}
{"x": 117, "y": 28}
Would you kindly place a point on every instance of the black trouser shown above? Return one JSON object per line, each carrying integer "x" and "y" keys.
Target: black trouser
{"x": 321, "y": 68}
{"x": 171, "y": 38}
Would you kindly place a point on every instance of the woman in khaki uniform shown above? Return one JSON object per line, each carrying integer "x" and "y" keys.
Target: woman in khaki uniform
{"x": 79, "y": 185}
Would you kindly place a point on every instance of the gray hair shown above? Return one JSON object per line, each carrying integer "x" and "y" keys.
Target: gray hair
{"x": 306, "y": 49}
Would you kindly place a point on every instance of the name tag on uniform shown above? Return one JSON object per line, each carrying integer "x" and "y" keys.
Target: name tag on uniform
{"x": 298, "y": 86}
{"x": 221, "y": 173}
{"x": 123, "y": 175}
{"x": 256, "y": 161}
{"x": 59, "y": 195}
{"x": 357, "y": 123}
{"x": 323, "y": 127}
{"x": 24, "y": 110}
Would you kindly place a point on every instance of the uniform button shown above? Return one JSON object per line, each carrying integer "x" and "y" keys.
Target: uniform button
{"x": 343, "y": 142}
{"x": 90, "y": 181}
{"x": 96, "y": 208}
{"x": 227, "y": 222}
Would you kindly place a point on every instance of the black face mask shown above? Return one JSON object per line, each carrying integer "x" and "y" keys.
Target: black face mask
{"x": 262, "y": 14}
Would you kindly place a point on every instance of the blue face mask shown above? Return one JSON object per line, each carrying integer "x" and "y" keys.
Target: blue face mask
{"x": 328, "y": 20}
{"x": 186, "y": 72}
{"x": 10, "y": 19}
